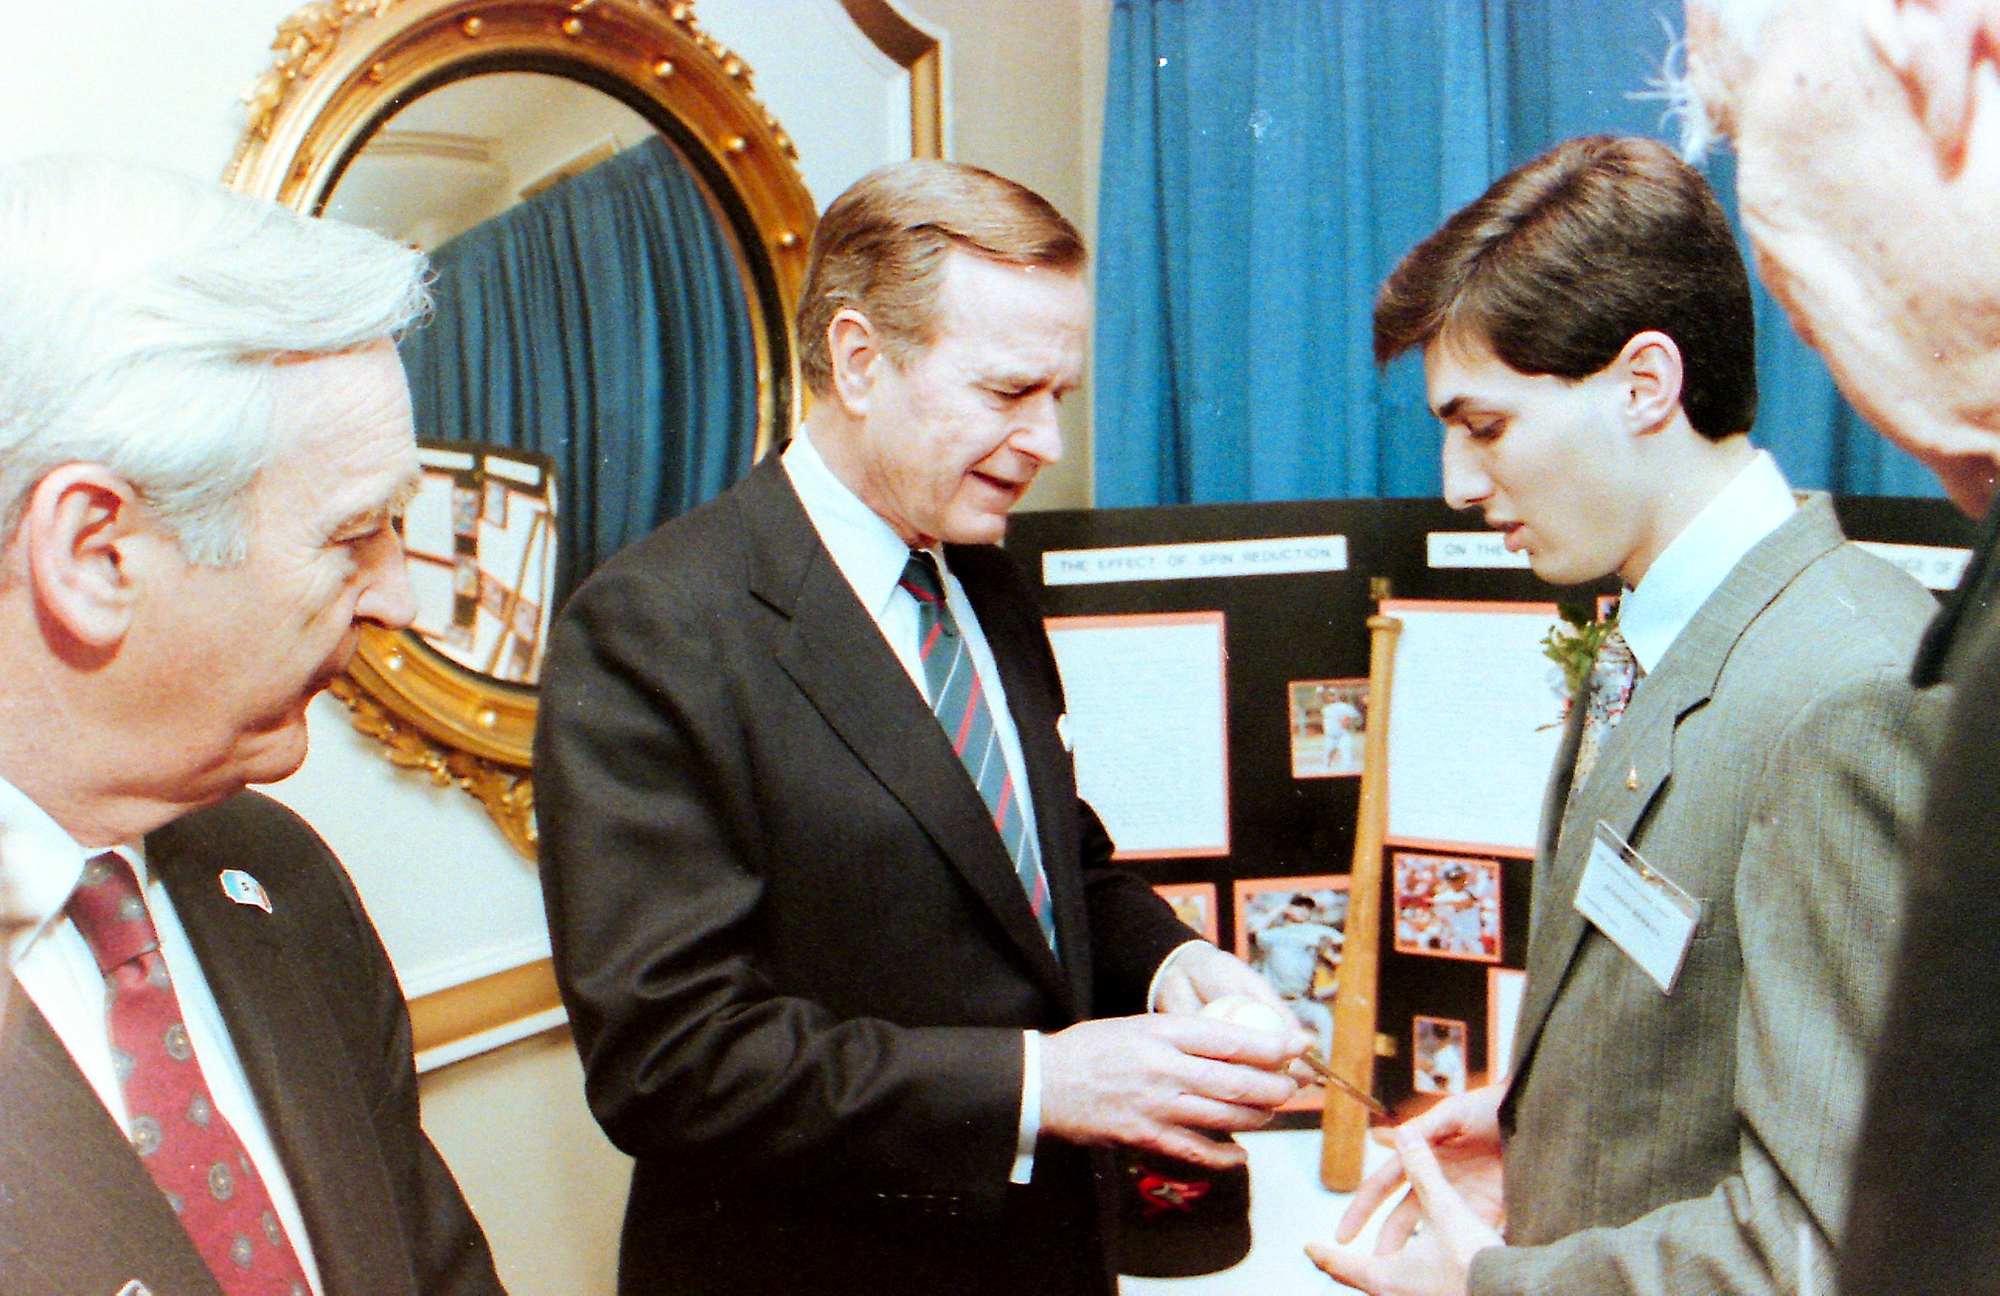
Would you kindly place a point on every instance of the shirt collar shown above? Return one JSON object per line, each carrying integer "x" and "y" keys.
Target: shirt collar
{"x": 1755, "y": 503}
{"x": 40, "y": 865}
{"x": 867, "y": 550}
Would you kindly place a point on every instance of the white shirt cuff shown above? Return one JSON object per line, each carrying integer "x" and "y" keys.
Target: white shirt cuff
{"x": 1153, "y": 988}
{"x": 1031, "y": 1108}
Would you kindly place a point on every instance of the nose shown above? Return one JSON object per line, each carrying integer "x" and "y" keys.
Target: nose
{"x": 385, "y": 598}
{"x": 1039, "y": 430}
{"x": 1465, "y": 481}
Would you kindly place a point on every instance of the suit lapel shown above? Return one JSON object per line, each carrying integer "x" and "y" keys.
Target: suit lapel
{"x": 296, "y": 1064}
{"x": 832, "y": 649}
{"x": 1635, "y": 762}
{"x": 79, "y": 1215}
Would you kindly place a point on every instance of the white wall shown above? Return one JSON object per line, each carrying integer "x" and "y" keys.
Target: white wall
{"x": 161, "y": 85}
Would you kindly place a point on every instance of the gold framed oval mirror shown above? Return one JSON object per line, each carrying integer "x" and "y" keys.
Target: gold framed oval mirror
{"x": 620, "y": 231}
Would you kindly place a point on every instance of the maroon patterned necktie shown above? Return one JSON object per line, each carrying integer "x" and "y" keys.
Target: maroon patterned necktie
{"x": 184, "y": 1142}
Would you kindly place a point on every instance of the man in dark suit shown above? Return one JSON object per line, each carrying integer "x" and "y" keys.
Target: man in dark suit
{"x": 1865, "y": 140}
{"x": 835, "y": 931}
{"x": 206, "y": 1086}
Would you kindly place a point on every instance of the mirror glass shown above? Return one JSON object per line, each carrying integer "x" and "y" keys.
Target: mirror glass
{"x": 591, "y": 366}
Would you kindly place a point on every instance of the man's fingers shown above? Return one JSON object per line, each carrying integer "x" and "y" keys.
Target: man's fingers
{"x": 1207, "y": 1113}
{"x": 1443, "y": 1204}
{"x": 1374, "y": 1190}
{"x": 1342, "y": 1265}
{"x": 1186, "y": 1145}
{"x": 1177, "y": 994}
{"x": 1402, "y": 1222}
{"x": 1240, "y": 1086}
{"x": 1227, "y": 1042}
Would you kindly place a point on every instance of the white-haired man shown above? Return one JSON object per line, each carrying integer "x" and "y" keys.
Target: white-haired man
{"x": 1867, "y": 155}
{"x": 205, "y": 1078}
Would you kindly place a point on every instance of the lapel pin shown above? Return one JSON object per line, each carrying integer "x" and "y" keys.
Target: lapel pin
{"x": 1632, "y": 779}
{"x": 244, "y": 889}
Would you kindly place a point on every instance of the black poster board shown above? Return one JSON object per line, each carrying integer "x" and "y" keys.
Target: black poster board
{"x": 1313, "y": 626}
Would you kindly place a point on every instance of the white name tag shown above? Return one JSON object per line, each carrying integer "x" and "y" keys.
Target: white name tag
{"x": 1638, "y": 907}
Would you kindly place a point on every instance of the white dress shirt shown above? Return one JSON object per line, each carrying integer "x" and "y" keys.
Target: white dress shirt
{"x": 872, "y": 558}
{"x": 40, "y": 865}
{"x": 1755, "y": 503}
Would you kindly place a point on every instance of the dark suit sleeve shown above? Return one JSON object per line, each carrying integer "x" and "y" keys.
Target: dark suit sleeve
{"x": 1922, "y": 1215}
{"x": 671, "y": 803}
{"x": 335, "y": 951}
{"x": 1818, "y": 888}
{"x": 448, "y": 1251}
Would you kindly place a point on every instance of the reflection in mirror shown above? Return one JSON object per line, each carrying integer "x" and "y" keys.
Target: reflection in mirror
{"x": 592, "y": 344}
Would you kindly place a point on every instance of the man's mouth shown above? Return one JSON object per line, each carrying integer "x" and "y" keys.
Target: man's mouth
{"x": 1001, "y": 484}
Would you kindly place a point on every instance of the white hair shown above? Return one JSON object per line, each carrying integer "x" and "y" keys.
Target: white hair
{"x": 141, "y": 315}
{"x": 1700, "y": 130}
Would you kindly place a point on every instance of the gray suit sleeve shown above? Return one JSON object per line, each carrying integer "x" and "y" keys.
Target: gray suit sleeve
{"x": 1819, "y": 893}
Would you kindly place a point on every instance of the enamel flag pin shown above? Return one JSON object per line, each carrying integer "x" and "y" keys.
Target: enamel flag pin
{"x": 244, "y": 889}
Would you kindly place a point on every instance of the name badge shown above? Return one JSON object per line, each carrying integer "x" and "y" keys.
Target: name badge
{"x": 1637, "y": 907}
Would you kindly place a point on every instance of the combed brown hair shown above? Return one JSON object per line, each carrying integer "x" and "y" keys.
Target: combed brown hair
{"x": 1565, "y": 258}
{"x": 880, "y": 249}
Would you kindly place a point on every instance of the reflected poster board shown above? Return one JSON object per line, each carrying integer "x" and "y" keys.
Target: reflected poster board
{"x": 480, "y": 536}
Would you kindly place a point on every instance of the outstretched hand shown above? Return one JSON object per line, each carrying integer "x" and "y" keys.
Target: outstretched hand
{"x": 1431, "y": 1261}
{"x": 1462, "y": 1136}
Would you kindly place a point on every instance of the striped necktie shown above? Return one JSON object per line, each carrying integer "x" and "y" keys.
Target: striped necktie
{"x": 959, "y": 703}
{"x": 182, "y": 1140}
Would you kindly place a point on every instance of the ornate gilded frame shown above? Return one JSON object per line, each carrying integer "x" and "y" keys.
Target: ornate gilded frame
{"x": 342, "y": 68}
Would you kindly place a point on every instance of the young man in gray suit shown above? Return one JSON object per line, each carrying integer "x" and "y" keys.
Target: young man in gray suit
{"x": 1749, "y": 740}
{"x": 206, "y": 1086}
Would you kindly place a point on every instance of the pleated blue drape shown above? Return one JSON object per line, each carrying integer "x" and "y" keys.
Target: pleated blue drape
{"x": 601, "y": 322}
{"x": 1265, "y": 165}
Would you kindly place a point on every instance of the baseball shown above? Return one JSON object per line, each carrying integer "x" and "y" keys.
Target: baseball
{"x": 1245, "y": 1011}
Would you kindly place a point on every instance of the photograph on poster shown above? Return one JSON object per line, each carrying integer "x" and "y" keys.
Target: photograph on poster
{"x": 1329, "y": 727}
{"x": 1291, "y": 930}
{"x": 1503, "y": 1010}
{"x": 1437, "y": 1055}
{"x": 1447, "y": 906}
{"x": 1193, "y": 903}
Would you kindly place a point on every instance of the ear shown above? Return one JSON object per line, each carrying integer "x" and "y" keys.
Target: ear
{"x": 1649, "y": 370}
{"x": 1935, "y": 47}
{"x": 854, "y": 350}
{"x": 80, "y": 523}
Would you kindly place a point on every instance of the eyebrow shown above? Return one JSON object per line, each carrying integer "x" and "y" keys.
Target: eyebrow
{"x": 398, "y": 500}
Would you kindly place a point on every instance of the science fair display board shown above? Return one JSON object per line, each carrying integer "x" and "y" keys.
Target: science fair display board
{"x": 1216, "y": 662}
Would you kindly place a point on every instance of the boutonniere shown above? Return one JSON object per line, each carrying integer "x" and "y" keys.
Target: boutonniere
{"x": 1573, "y": 647}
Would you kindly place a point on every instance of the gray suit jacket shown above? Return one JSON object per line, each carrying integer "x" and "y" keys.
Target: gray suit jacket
{"x": 1772, "y": 766}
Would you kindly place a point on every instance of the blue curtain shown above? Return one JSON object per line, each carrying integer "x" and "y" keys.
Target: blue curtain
{"x": 1267, "y": 162}
{"x": 601, "y": 322}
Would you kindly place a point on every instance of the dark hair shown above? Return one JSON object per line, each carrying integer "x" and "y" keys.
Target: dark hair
{"x": 880, "y": 248}
{"x": 1565, "y": 258}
